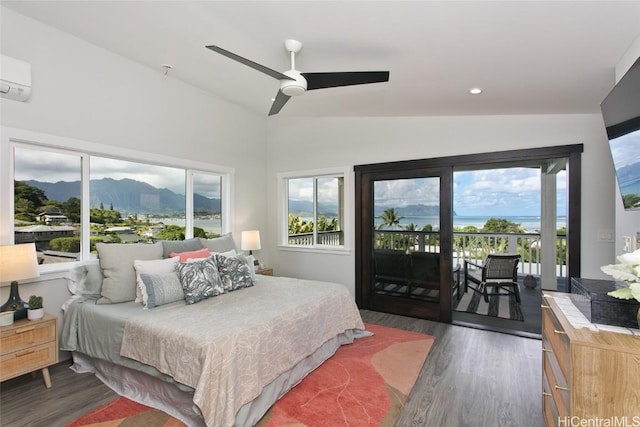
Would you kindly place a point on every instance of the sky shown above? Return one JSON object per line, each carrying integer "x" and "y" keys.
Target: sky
{"x": 625, "y": 150}
{"x": 505, "y": 192}
{"x": 54, "y": 166}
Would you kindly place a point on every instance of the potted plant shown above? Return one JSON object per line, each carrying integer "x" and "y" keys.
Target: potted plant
{"x": 35, "y": 310}
{"x": 628, "y": 271}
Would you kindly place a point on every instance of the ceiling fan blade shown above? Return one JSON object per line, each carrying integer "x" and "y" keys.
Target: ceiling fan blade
{"x": 278, "y": 103}
{"x": 273, "y": 73}
{"x": 349, "y": 78}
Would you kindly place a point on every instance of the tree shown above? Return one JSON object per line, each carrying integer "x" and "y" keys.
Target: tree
{"x": 326, "y": 224}
{"x": 171, "y": 232}
{"x": 71, "y": 209}
{"x": 65, "y": 244}
{"x": 390, "y": 219}
{"x": 27, "y": 201}
{"x": 199, "y": 232}
{"x": 500, "y": 225}
{"x": 631, "y": 200}
{"x": 101, "y": 216}
{"x": 297, "y": 225}
{"x": 25, "y": 191}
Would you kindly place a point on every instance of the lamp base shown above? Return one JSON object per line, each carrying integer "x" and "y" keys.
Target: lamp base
{"x": 15, "y": 303}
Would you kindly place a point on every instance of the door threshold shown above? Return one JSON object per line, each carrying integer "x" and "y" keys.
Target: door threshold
{"x": 483, "y": 327}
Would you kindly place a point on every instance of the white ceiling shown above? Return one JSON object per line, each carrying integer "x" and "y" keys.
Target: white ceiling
{"x": 530, "y": 57}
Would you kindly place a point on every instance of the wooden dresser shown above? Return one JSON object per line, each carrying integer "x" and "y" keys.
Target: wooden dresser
{"x": 587, "y": 375}
{"x": 29, "y": 345}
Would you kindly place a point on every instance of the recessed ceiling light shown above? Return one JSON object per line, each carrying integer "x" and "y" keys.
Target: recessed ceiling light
{"x": 475, "y": 91}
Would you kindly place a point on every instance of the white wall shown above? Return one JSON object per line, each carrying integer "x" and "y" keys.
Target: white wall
{"x": 84, "y": 92}
{"x": 627, "y": 222}
{"x": 351, "y": 141}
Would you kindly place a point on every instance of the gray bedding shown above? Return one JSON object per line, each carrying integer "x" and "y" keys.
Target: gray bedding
{"x": 243, "y": 323}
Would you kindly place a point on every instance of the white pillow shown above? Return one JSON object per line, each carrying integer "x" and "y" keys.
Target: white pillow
{"x": 156, "y": 266}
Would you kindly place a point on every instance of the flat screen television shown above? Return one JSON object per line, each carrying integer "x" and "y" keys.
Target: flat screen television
{"x": 621, "y": 114}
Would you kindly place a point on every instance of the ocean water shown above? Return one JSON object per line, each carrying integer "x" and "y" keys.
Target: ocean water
{"x": 530, "y": 223}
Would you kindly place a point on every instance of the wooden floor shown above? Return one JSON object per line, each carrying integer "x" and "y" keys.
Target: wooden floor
{"x": 471, "y": 378}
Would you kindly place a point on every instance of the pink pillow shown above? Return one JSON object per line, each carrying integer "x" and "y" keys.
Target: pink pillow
{"x": 184, "y": 256}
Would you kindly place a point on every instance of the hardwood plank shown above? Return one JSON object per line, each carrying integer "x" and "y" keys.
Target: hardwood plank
{"x": 470, "y": 378}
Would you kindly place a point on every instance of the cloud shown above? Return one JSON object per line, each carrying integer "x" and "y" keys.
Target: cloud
{"x": 491, "y": 192}
{"x": 48, "y": 166}
{"x": 625, "y": 150}
{"x": 301, "y": 189}
{"x": 403, "y": 192}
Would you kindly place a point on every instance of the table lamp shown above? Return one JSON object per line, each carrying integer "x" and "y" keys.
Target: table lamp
{"x": 250, "y": 241}
{"x": 17, "y": 262}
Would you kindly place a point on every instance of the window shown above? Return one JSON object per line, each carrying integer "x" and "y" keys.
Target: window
{"x": 67, "y": 199}
{"x": 47, "y": 202}
{"x": 313, "y": 214}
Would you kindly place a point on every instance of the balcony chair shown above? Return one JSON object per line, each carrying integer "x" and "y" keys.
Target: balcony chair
{"x": 497, "y": 271}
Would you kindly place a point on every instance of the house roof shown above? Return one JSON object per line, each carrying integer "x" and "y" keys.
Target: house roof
{"x": 529, "y": 57}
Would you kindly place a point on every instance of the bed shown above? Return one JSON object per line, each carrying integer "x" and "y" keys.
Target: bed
{"x": 222, "y": 361}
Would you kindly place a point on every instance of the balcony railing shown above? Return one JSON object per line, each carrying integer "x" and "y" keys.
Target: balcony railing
{"x": 329, "y": 238}
{"x": 476, "y": 246}
{"x": 466, "y": 246}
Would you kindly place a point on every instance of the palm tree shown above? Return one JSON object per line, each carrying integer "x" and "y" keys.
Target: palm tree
{"x": 390, "y": 219}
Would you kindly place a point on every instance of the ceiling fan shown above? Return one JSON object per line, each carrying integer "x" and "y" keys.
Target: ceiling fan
{"x": 294, "y": 82}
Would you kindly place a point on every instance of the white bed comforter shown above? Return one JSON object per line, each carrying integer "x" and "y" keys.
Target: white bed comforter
{"x": 229, "y": 347}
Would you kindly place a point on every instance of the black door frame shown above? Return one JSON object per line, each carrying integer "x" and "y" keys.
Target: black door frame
{"x": 409, "y": 307}
{"x": 366, "y": 174}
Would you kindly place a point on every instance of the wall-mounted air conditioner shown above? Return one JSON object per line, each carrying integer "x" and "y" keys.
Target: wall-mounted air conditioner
{"x": 15, "y": 79}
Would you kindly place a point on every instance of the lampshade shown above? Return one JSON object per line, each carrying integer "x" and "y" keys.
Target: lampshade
{"x": 250, "y": 240}
{"x": 18, "y": 262}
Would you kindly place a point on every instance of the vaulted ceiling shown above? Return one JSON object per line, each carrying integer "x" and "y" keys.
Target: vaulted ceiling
{"x": 529, "y": 57}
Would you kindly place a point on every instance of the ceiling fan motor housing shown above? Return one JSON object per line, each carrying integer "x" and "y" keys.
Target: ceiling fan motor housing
{"x": 293, "y": 87}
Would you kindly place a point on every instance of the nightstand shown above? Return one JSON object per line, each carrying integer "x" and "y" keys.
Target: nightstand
{"x": 265, "y": 271}
{"x": 29, "y": 345}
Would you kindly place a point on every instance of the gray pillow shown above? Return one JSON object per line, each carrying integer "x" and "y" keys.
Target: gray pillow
{"x": 200, "y": 279}
{"x": 223, "y": 243}
{"x": 235, "y": 271}
{"x": 116, "y": 261}
{"x": 161, "y": 289}
{"x": 178, "y": 246}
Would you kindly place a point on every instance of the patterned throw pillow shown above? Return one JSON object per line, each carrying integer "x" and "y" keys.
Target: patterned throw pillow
{"x": 160, "y": 289}
{"x": 235, "y": 271}
{"x": 200, "y": 279}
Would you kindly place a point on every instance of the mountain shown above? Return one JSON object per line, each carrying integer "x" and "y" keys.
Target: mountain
{"x": 411, "y": 210}
{"x": 628, "y": 173}
{"x": 304, "y": 208}
{"x": 128, "y": 196}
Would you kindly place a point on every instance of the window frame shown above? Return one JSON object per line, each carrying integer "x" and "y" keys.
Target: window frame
{"x": 283, "y": 178}
{"x": 12, "y": 137}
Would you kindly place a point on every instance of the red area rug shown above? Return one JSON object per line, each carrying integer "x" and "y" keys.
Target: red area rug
{"x": 363, "y": 384}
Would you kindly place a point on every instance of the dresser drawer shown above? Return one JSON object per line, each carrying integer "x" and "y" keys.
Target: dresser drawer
{"x": 27, "y": 335}
{"x": 556, "y": 385}
{"x": 549, "y": 409}
{"x": 556, "y": 340}
{"x": 27, "y": 360}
